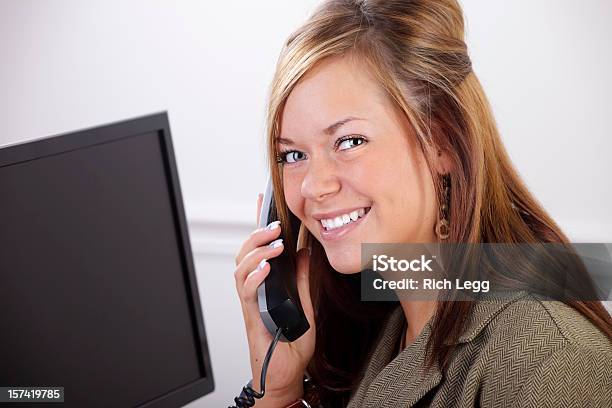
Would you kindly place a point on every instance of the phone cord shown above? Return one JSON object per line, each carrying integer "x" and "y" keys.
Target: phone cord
{"x": 247, "y": 398}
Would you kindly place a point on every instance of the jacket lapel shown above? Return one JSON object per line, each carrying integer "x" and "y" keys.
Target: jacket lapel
{"x": 391, "y": 380}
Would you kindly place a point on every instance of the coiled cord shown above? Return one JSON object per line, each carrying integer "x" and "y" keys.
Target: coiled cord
{"x": 246, "y": 399}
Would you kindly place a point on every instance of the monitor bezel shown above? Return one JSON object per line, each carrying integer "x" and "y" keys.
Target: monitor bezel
{"x": 158, "y": 123}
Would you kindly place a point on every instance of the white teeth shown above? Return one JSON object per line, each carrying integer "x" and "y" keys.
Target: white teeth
{"x": 338, "y": 222}
{"x": 332, "y": 223}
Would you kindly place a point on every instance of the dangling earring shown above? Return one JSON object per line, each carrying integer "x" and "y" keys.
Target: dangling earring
{"x": 443, "y": 226}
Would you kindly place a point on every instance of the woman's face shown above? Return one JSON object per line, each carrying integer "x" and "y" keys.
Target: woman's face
{"x": 353, "y": 171}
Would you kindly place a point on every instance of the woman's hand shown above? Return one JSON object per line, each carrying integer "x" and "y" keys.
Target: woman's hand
{"x": 289, "y": 360}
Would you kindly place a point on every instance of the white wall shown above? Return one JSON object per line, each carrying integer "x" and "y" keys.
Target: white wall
{"x": 66, "y": 65}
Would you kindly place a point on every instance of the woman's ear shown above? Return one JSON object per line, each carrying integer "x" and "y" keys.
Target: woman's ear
{"x": 438, "y": 150}
{"x": 443, "y": 162}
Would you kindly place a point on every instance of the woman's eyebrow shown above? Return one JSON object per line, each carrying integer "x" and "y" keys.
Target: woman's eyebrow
{"x": 285, "y": 141}
{"x": 330, "y": 130}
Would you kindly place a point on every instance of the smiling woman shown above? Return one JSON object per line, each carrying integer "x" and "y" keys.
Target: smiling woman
{"x": 379, "y": 131}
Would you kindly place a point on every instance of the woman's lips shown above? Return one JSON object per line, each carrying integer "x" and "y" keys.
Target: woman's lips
{"x": 338, "y": 233}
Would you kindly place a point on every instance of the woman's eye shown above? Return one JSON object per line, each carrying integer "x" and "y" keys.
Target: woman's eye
{"x": 292, "y": 156}
{"x": 350, "y": 142}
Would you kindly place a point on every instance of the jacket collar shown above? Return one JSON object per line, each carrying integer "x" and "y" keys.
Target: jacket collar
{"x": 484, "y": 310}
{"x": 391, "y": 379}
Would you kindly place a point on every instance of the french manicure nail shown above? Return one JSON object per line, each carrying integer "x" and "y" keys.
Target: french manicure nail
{"x": 276, "y": 243}
{"x": 272, "y": 225}
{"x": 261, "y": 264}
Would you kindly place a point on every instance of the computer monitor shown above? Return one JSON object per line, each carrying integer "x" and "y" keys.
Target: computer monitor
{"x": 98, "y": 293}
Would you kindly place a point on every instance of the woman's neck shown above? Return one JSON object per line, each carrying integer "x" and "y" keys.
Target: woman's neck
{"x": 417, "y": 313}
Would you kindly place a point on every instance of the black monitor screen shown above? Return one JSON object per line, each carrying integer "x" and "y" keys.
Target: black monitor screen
{"x": 97, "y": 291}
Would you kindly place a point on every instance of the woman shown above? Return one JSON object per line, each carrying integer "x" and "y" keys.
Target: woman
{"x": 375, "y": 113}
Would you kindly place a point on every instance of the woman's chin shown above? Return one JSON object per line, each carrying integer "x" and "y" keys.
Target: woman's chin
{"x": 345, "y": 266}
{"x": 345, "y": 258}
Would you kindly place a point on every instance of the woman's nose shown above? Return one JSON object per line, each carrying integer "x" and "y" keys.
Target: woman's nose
{"x": 321, "y": 180}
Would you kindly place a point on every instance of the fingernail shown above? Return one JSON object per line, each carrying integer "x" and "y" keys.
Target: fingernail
{"x": 276, "y": 243}
{"x": 261, "y": 264}
{"x": 272, "y": 225}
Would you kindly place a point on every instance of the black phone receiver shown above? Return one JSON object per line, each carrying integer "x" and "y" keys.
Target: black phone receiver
{"x": 279, "y": 301}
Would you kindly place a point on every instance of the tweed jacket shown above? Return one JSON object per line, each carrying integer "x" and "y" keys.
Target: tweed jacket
{"x": 516, "y": 352}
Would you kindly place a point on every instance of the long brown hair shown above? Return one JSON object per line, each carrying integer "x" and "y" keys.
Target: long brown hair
{"x": 416, "y": 50}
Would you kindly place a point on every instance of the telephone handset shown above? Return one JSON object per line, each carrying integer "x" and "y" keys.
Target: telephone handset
{"x": 279, "y": 301}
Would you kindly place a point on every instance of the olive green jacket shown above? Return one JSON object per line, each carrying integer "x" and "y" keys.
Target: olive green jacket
{"x": 517, "y": 352}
